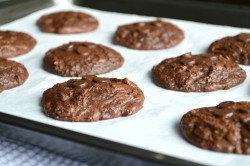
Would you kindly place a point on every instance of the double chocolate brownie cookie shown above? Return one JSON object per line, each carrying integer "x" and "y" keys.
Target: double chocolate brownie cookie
{"x": 224, "y": 128}
{"x": 12, "y": 74}
{"x": 82, "y": 58}
{"x": 236, "y": 47}
{"x": 198, "y": 73}
{"x": 67, "y": 22}
{"x": 152, "y": 35}
{"x": 13, "y": 43}
{"x": 92, "y": 99}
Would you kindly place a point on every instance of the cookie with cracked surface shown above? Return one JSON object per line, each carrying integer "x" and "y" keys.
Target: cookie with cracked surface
{"x": 153, "y": 35}
{"x": 67, "y": 22}
{"x": 224, "y": 128}
{"x": 236, "y": 47}
{"x": 92, "y": 98}
{"x": 198, "y": 73}
{"x": 12, "y": 74}
{"x": 13, "y": 43}
{"x": 82, "y": 58}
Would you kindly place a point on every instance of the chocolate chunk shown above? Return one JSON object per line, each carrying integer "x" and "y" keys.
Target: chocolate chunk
{"x": 67, "y": 22}
{"x": 82, "y": 58}
{"x": 198, "y": 73}
{"x": 13, "y": 44}
{"x": 219, "y": 128}
{"x": 236, "y": 48}
{"x": 223, "y": 113}
{"x": 152, "y": 35}
{"x": 83, "y": 50}
{"x": 12, "y": 74}
{"x": 245, "y": 37}
{"x": 78, "y": 84}
{"x": 92, "y": 99}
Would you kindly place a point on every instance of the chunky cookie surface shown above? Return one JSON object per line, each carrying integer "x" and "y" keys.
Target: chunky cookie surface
{"x": 13, "y": 44}
{"x": 152, "y": 35}
{"x": 198, "y": 73}
{"x": 12, "y": 74}
{"x": 92, "y": 98}
{"x": 67, "y": 22}
{"x": 236, "y": 47}
{"x": 224, "y": 128}
{"x": 82, "y": 58}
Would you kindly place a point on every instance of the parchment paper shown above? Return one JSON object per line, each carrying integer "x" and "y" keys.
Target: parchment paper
{"x": 156, "y": 126}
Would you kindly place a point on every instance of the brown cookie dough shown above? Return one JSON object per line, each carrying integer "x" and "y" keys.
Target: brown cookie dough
{"x": 236, "y": 47}
{"x": 82, "y": 58}
{"x": 152, "y": 35}
{"x": 92, "y": 99}
{"x": 13, "y": 44}
{"x": 198, "y": 73}
{"x": 67, "y": 22}
{"x": 224, "y": 128}
{"x": 12, "y": 74}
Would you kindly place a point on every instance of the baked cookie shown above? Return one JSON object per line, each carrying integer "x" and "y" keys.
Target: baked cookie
{"x": 224, "y": 128}
{"x": 67, "y": 22}
{"x": 82, "y": 58}
{"x": 13, "y": 44}
{"x": 198, "y": 73}
{"x": 12, "y": 74}
{"x": 236, "y": 47}
{"x": 151, "y": 35}
{"x": 92, "y": 99}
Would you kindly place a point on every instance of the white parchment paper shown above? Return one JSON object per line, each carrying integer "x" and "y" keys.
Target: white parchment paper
{"x": 156, "y": 126}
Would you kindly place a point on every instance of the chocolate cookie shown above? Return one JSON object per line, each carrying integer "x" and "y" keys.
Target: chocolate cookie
{"x": 67, "y": 22}
{"x": 198, "y": 73}
{"x": 152, "y": 35}
{"x": 82, "y": 58}
{"x": 224, "y": 128}
{"x": 13, "y": 43}
{"x": 92, "y": 99}
{"x": 12, "y": 74}
{"x": 236, "y": 47}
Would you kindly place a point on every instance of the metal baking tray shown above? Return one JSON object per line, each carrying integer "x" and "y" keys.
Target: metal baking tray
{"x": 100, "y": 151}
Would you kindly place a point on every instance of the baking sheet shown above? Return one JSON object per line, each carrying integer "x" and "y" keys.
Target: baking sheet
{"x": 156, "y": 126}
